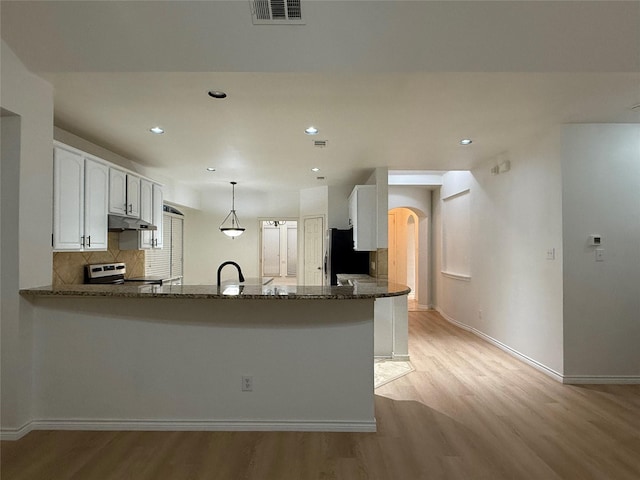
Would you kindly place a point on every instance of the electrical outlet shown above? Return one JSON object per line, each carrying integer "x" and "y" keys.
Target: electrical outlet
{"x": 247, "y": 383}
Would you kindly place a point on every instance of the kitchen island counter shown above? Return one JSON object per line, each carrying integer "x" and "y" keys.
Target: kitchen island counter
{"x": 119, "y": 358}
{"x": 228, "y": 291}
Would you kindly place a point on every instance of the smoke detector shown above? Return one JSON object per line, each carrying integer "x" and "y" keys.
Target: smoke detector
{"x": 276, "y": 12}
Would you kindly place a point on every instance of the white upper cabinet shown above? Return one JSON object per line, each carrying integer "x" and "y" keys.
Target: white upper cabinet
{"x": 158, "y": 207}
{"x": 363, "y": 217}
{"x": 79, "y": 202}
{"x": 87, "y": 189}
{"x": 124, "y": 193}
{"x": 96, "y": 198}
{"x": 117, "y": 192}
{"x": 146, "y": 213}
{"x": 68, "y": 200}
{"x": 133, "y": 196}
{"x": 151, "y": 210}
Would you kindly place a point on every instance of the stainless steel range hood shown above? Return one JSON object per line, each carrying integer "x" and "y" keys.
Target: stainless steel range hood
{"x": 120, "y": 224}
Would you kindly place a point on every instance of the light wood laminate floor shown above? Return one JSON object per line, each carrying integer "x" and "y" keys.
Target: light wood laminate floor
{"x": 469, "y": 411}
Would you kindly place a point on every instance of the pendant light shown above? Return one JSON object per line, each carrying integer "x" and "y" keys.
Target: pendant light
{"x": 231, "y": 226}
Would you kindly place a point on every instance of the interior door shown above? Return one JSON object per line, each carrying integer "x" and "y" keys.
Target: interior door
{"x": 313, "y": 250}
{"x": 292, "y": 250}
{"x": 270, "y": 251}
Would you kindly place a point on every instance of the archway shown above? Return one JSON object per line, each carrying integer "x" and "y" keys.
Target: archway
{"x": 404, "y": 250}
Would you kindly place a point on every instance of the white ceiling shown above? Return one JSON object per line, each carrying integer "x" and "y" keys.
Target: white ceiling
{"x": 388, "y": 83}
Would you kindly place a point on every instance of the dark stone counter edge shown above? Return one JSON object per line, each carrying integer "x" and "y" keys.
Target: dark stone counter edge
{"x": 211, "y": 292}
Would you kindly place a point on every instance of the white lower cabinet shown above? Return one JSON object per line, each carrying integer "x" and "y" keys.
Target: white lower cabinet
{"x": 80, "y": 201}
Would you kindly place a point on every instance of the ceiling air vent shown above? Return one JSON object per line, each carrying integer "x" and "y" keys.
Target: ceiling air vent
{"x": 320, "y": 143}
{"x": 276, "y": 12}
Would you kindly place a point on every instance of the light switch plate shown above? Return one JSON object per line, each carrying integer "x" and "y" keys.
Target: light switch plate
{"x": 599, "y": 254}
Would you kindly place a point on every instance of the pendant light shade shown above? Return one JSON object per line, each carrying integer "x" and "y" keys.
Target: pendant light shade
{"x": 231, "y": 226}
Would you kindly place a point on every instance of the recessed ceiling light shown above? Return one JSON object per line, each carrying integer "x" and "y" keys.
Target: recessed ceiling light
{"x": 315, "y": 169}
{"x": 311, "y": 131}
{"x": 211, "y": 169}
{"x": 157, "y": 130}
{"x": 217, "y": 94}
{"x": 466, "y": 141}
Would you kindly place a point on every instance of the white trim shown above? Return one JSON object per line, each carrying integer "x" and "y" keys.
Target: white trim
{"x": 601, "y": 379}
{"x": 457, "y": 194}
{"x": 205, "y": 425}
{"x": 565, "y": 379}
{"x": 400, "y": 357}
{"x": 456, "y": 276}
{"x": 514, "y": 353}
{"x": 16, "y": 433}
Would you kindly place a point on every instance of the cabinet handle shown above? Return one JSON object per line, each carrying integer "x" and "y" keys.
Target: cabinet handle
{"x": 89, "y": 241}
{"x": 131, "y": 208}
{"x": 82, "y": 241}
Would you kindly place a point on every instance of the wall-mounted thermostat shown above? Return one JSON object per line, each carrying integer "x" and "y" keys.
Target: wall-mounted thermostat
{"x": 595, "y": 240}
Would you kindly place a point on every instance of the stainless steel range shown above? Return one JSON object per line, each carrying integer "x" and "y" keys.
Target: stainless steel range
{"x": 114, "y": 274}
{"x": 105, "y": 273}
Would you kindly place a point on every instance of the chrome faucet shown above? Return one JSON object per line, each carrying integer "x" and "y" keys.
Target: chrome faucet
{"x": 240, "y": 276}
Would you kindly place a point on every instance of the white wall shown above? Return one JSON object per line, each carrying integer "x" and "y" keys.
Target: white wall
{"x": 418, "y": 199}
{"x": 338, "y": 207}
{"x": 205, "y": 247}
{"x": 26, "y": 200}
{"x": 514, "y": 295}
{"x": 601, "y": 195}
{"x": 380, "y": 178}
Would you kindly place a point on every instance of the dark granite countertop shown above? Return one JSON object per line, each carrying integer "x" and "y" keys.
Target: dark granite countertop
{"x": 226, "y": 291}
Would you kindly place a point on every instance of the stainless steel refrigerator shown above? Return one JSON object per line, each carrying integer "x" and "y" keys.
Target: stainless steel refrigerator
{"x": 340, "y": 256}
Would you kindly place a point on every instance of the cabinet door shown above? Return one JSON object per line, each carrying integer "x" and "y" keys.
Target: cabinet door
{"x": 158, "y": 201}
{"x": 363, "y": 217}
{"x": 117, "y": 192}
{"x": 133, "y": 196}
{"x": 146, "y": 200}
{"x": 68, "y": 200}
{"x": 146, "y": 212}
{"x": 96, "y": 188}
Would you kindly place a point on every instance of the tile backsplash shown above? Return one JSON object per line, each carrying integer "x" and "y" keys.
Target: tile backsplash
{"x": 68, "y": 267}
{"x": 378, "y": 263}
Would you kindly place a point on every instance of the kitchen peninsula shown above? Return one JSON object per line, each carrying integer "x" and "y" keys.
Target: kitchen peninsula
{"x": 198, "y": 357}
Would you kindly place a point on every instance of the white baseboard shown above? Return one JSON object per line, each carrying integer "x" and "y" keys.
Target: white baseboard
{"x": 15, "y": 433}
{"x": 565, "y": 379}
{"x": 601, "y": 380}
{"x": 514, "y": 353}
{"x": 401, "y": 358}
{"x": 205, "y": 425}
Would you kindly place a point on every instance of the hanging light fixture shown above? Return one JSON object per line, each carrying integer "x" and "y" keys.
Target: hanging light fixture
{"x": 231, "y": 226}
{"x": 275, "y": 223}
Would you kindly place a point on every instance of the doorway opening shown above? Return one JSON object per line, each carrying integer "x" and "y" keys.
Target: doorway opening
{"x": 279, "y": 250}
{"x": 407, "y": 254}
